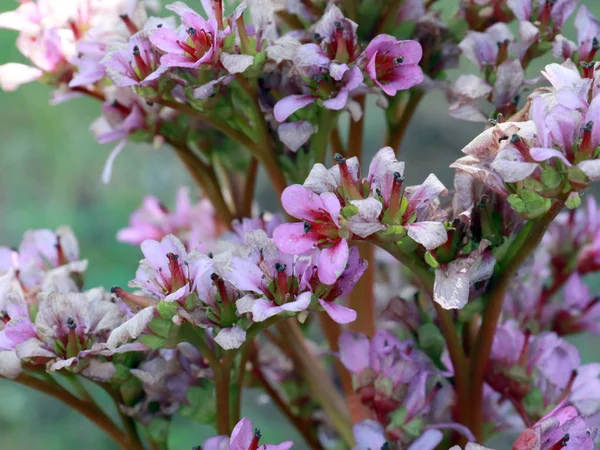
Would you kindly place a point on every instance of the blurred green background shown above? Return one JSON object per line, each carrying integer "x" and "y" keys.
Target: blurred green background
{"x": 50, "y": 168}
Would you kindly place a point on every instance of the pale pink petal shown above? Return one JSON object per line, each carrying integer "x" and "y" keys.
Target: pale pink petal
{"x": 591, "y": 168}
{"x": 354, "y": 351}
{"x": 291, "y": 238}
{"x": 236, "y": 63}
{"x": 429, "y": 234}
{"x": 295, "y": 134}
{"x": 544, "y": 154}
{"x": 301, "y": 203}
{"x": 301, "y": 303}
{"x": 427, "y": 441}
{"x": 242, "y": 434}
{"x": 338, "y": 313}
{"x": 366, "y": 221}
{"x": 13, "y": 75}
{"x": 451, "y": 287}
{"x": 263, "y": 308}
{"x": 108, "y": 166}
{"x": 332, "y": 262}
{"x": 231, "y": 338}
{"x": 287, "y": 106}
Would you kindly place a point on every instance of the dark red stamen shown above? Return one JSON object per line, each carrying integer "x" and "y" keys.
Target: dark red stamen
{"x": 281, "y": 281}
{"x": 5, "y": 316}
{"x": 524, "y": 356}
{"x": 255, "y": 440}
{"x": 220, "y": 284}
{"x": 188, "y": 49}
{"x": 144, "y": 69}
{"x": 132, "y": 299}
{"x": 131, "y": 27}
{"x": 75, "y": 29}
{"x": 178, "y": 279}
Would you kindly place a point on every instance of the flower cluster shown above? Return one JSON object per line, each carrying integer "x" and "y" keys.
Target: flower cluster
{"x": 47, "y": 319}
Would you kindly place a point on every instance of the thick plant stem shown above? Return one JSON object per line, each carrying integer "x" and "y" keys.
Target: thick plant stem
{"x": 249, "y": 189}
{"x": 222, "y": 382}
{"x": 457, "y": 354}
{"x": 525, "y": 243}
{"x": 362, "y": 297}
{"x": 301, "y": 425}
{"x": 332, "y": 331}
{"x": 356, "y": 132}
{"x": 318, "y": 381}
{"x": 397, "y": 128}
{"x": 321, "y": 138}
{"x": 206, "y": 179}
{"x": 91, "y": 411}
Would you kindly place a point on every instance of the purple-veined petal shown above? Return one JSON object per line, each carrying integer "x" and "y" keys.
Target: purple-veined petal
{"x": 429, "y": 234}
{"x": 230, "y": 338}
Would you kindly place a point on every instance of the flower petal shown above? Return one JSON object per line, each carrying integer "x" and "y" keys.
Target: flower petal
{"x": 338, "y": 313}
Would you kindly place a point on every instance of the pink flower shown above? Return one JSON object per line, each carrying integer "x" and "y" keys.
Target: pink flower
{"x": 15, "y": 323}
{"x": 320, "y": 229}
{"x": 194, "y": 224}
{"x": 521, "y": 361}
{"x": 336, "y": 36}
{"x": 588, "y": 33}
{"x": 393, "y": 65}
{"x": 243, "y": 437}
{"x": 561, "y": 428}
{"x": 197, "y": 41}
{"x": 136, "y": 64}
{"x": 333, "y": 89}
{"x": 482, "y": 48}
{"x": 68, "y": 324}
{"x": 168, "y": 272}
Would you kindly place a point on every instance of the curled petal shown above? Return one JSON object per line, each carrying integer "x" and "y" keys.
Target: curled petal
{"x": 338, "y": 313}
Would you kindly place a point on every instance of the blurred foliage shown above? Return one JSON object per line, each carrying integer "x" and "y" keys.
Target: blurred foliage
{"x": 50, "y": 168}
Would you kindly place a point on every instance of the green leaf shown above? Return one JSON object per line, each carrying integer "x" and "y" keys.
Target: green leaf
{"x": 430, "y": 259}
{"x": 534, "y": 402}
{"x": 152, "y": 341}
{"x": 349, "y": 211}
{"x": 201, "y": 405}
{"x": 161, "y": 327}
{"x": 414, "y": 428}
{"x": 573, "y": 201}
{"x": 431, "y": 340}
{"x": 131, "y": 390}
{"x": 159, "y": 430}
{"x": 398, "y": 417}
{"x": 470, "y": 309}
{"x": 167, "y": 310}
{"x": 551, "y": 178}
